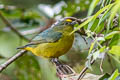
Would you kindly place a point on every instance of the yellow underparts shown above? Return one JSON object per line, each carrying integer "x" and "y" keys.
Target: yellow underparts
{"x": 29, "y": 49}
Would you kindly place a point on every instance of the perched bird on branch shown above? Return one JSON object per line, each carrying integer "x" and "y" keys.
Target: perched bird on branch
{"x": 55, "y": 41}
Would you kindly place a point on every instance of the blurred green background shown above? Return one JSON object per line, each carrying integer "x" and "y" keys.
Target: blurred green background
{"x": 27, "y": 15}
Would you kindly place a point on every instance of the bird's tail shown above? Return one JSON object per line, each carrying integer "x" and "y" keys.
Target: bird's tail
{"x": 23, "y": 47}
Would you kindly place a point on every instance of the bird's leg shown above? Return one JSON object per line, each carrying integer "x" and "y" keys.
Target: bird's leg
{"x": 56, "y": 61}
{"x": 62, "y": 69}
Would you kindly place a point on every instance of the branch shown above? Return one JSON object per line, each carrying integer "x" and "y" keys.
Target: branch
{"x": 12, "y": 59}
{"x": 11, "y": 27}
{"x": 84, "y": 70}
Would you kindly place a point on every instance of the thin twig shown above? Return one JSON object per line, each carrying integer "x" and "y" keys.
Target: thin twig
{"x": 11, "y": 27}
{"x": 101, "y": 64}
{"x": 12, "y": 59}
{"x": 84, "y": 70}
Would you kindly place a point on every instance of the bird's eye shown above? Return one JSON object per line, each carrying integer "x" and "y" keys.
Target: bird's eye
{"x": 67, "y": 23}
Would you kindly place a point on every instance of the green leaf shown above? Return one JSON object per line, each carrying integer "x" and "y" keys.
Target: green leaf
{"x": 103, "y": 3}
{"x": 115, "y": 50}
{"x": 105, "y": 77}
{"x": 92, "y": 6}
{"x": 102, "y": 49}
{"x": 115, "y": 40}
{"x": 114, "y": 75}
{"x": 93, "y": 17}
{"x": 103, "y": 17}
{"x": 114, "y": 11}
{"x": 90, "y": 24}
{"x": 110, "y": 35}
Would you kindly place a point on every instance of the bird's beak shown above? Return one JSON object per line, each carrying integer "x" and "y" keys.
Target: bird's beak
{"x": 74, "y": 22}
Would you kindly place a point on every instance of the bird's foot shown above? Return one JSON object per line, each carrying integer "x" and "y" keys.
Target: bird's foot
{"x": 62, "y": 69}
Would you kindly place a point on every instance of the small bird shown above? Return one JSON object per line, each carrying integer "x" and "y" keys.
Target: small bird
{"x": 54, "y": 41}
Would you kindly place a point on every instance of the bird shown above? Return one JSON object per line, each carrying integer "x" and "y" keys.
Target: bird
{"x": 54, "y": 41}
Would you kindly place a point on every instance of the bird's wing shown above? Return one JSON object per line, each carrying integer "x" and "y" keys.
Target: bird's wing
{"x": 47, "y": 36}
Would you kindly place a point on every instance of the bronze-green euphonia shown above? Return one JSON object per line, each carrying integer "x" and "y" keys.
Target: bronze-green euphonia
{"x": 54, "y": 41}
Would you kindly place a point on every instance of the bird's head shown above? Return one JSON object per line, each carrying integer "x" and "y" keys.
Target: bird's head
{"x": 67, "y": 21}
